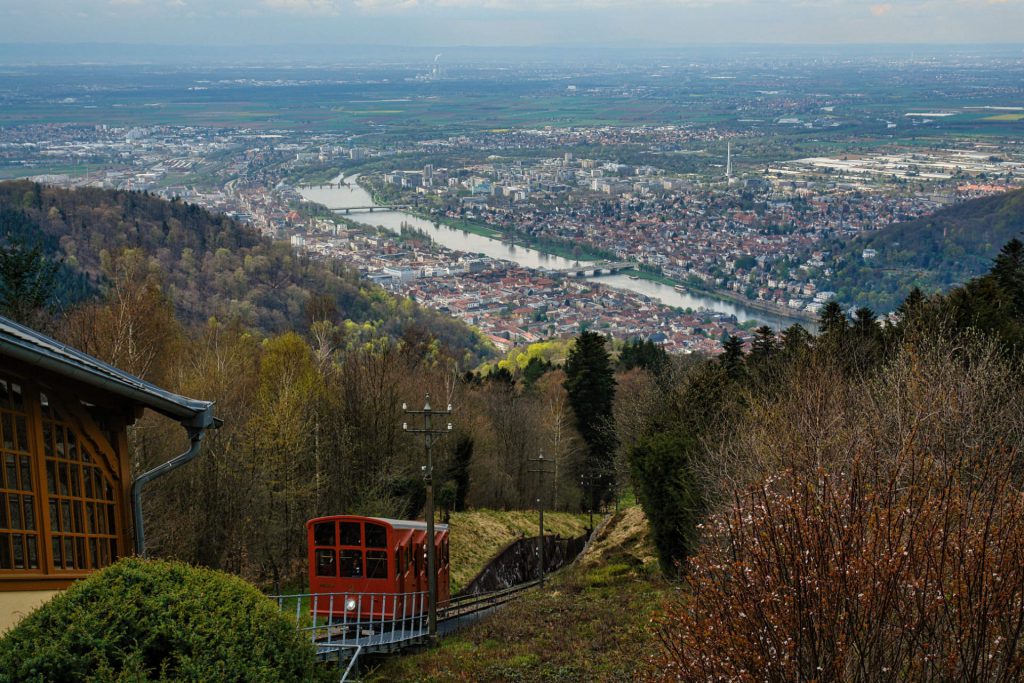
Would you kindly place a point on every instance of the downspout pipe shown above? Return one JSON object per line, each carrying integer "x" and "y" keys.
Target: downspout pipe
{"x": 196, "y": 428}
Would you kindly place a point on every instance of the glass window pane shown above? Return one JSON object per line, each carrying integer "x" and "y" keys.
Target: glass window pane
{"x": 19, "y": 552}
{"x": 33, "y": 553}
{"x": 11, "y": 467}
{"x": 72, "y": 446}
{"x": 76, "y": 489}
{"x": 350, "y": 563}
{"x": 16, "y": 401}
{"x": 14, "y": 506}
{"x": 376, "y": 536}
{"x": 57, "y": 550}
{"x": 65, "y": 515}
{"x": 29, "y": 514}
{"x": 93, "y": 554}
{"x": 325, "y": 564}
{"x": 47, "y": 438}
{"x": 26, "y": 473}
{"x": 323, "y": 533}
{"x": 376, "y": 564}
{"x": 69, "y": 552}
{"x": 5, "y": 552}
{"x": 350, "y": 534}
{"x": 54, "y": 516}
{"x": 4, "y": 522}
{"x": 22, "y": 433}
{"x": 8, "y": 431}
{"x": 80, "y": 553}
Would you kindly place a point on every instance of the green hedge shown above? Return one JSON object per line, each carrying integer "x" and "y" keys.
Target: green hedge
{"x": 142, "y": 620}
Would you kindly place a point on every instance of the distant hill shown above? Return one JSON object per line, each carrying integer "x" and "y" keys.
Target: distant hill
{"x": 933, "y": 252}
{"x": 211, "y": 265}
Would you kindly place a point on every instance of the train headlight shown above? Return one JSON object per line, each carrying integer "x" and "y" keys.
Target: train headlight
{"x": 350, "y": 605}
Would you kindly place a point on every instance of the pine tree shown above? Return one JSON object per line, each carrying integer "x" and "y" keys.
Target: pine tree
{"x": 590, "y": 384}
{"x": 731, "y": 357}
{"x": 832, "y": 321}
{"x": 764, "y": 345}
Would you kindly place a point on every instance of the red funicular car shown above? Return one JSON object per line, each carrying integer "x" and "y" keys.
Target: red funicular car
{"x": 368, "y": 568}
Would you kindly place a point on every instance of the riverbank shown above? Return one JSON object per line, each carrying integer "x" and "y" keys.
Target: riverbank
{"x": 764, "y": 306}
{"x": 725, "y": 295}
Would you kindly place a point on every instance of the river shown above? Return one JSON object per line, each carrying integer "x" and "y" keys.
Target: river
{"x": 340, "y": 196}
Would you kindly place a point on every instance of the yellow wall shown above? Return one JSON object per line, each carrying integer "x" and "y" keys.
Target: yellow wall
{"x": 16, "y": 604}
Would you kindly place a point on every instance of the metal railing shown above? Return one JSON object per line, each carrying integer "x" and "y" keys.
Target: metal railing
{"x": 356, "y": 623}
{"x": 365, "y": 620}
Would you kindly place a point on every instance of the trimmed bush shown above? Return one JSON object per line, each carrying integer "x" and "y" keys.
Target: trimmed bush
{"x": 143, "y": 620}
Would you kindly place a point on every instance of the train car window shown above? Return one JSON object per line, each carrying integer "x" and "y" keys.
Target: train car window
{"x": 376, "y": 536}
{"x": 325, "y": 563}
{"x": 350, "y": 534}
{"x": 351, "y": 563}
{"x": 376, "y": 564}
{"x": 323, "y": 533}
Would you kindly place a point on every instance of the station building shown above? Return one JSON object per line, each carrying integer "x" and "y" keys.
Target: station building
{"x": 66, "y": 487}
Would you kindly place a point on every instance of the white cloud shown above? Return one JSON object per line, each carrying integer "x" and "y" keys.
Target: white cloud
{"x": 304, "y": 6}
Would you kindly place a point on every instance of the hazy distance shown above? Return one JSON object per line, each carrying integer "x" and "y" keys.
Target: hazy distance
{"x": 227, "y": 24}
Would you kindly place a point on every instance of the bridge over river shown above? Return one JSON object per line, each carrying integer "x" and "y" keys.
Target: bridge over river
{"x": 594, "y": 269}
{"x": 370, "y": 209}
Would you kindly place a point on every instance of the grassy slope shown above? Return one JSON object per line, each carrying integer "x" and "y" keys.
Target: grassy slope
{"x": 591, "y": 623}
{"x": 479, "y": 535}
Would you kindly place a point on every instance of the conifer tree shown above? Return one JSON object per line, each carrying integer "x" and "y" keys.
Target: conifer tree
{"x": 590, "y": 384}
{"x": 764, "y": 345}
{"x": 832, "y": 321}
{"x": 731, "y": 357}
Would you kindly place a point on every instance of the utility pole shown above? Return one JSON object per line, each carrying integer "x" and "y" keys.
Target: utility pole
{"x": 540, "y": 507}
{"x": 586, "y": 483}
{"x": 429, "y": 436}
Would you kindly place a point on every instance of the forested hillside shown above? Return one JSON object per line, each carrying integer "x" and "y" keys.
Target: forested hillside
{"x": 208, "y": 265}
{"x": 933, "y": 253}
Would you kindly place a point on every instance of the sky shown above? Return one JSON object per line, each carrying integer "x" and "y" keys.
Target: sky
{"x": 647, "y": 23}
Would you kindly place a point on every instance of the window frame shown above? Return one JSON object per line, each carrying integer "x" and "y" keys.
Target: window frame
{"x": 48, "y": 576}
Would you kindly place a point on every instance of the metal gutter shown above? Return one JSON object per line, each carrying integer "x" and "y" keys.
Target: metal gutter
{"x": 195, "y": 437}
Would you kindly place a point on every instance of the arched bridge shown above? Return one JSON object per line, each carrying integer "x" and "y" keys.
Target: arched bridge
{"x": 369, "y": 209}
{"x": 594, "y": 269}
